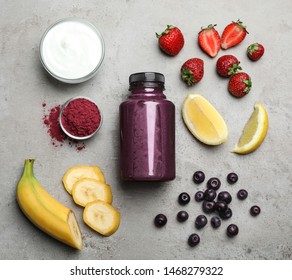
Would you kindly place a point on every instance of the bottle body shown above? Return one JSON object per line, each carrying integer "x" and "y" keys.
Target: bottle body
{"x": 147, "y": 136}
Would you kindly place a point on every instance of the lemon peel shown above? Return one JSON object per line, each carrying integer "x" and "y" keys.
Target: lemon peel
{"x": 254, "y": 132}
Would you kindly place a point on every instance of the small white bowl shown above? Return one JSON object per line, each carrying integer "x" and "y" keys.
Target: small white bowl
{"x": 79, "y": 138}
{"x": 72, "y": 50}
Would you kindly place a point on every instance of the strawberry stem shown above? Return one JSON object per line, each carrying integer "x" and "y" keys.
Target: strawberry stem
{"x": 188, "y": 76}
{"x": 248, "y": 85}
{"x": 234, "y": 69}
{"x": 253, "y": 48}
{"x": 240, "y": 23}
{"x": 166, "y": 31}
{"x": 210, "y": 26}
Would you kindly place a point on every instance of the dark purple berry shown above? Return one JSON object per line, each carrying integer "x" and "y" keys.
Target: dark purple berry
{"x": 224, "y": 196}
{"x": 255, "y": 210}
{"x": 242, "y": 194}
{"x": 210, "y": 194}
{"x": 232, "y": 178}
{"x": 182, "y": 216}
{"x": 199, "y": 196}
{"x": 184, "y": 198}
{"x": 221, "y": 206}
{"x": 213, "y": 183}
{"x": 201, "y": 221}
{"x": 227, "y": 214}
{"x": 160, "y": 220}
{"x": 194, "y": 240}
{"x": 199, "y": 177}
{"x": 215, "y": 222}
{"x": 232, "y": 230}
{"x": 208, "y": 206}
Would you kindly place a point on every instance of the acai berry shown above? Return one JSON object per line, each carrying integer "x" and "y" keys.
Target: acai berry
{"x": 201, "y": 221}
{"x": 199, "y": 196}
{"x": 215, "y": 222}
{"x": 213, "y": 183}
{"x": 255, "y": 210}
{"x": 242, "y": 194}
{"x": 210, "y": 194}
{"x": 160, "y": 220}
{"x": 224, "y": 196}
{"x": 184, "y": 198}
{"x": 182, "y": 216}
{"x": 194, "y": 240}
{"x": 232, "y": 178}
{"x": 221, "y": 206}
{"x": 232, "y": 230}
{"x": 199, "y": 177}
{"x": 208, "y": 206}
{"x": 227, "y": 214}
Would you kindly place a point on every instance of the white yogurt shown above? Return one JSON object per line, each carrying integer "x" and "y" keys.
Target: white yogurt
{"x": 72, "y": 50}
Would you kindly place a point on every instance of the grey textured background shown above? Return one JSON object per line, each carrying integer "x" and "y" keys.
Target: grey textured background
{"x": 129, "y": 30}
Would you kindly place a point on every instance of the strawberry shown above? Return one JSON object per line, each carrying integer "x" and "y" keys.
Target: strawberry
{"x": 233, "y": 34}
{"x": 171, "y": 40}
{"x": 209, "y": 40}
{"x": 192, "y": 71}
{"x": 255, "y": 51}
{"x": 227, "y": 65}
{"x": 239, "y": 84}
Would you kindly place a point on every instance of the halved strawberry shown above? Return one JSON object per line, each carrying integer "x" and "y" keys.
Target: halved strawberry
{"x": 209, "y": 40}
{"x": 233, "y": 34}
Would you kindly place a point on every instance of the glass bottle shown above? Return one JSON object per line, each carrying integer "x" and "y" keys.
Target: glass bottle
{"x": 147, "y": 130}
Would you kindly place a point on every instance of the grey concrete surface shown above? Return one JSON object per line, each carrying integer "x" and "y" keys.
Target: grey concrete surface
{"x": 129, "y": 30}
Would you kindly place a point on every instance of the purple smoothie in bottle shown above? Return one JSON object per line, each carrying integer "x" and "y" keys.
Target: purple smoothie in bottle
{"x": 147, "y": 130}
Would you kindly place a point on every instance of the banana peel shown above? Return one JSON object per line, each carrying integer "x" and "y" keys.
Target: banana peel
{"x": 44, "y": 211}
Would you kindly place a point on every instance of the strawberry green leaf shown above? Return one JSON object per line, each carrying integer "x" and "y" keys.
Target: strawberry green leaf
{"x": 240, "y": 23}
{"x": 166, "y": 31}
{"x": 188, "y": 76}
{"x": 248, "y": 85}
{"x": 210, "y": 26}
{"x": 253, "y": 48}
{"x": 234, "y": 69}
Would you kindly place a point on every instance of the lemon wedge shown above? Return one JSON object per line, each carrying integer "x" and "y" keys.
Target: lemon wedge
{"x": 254, "y": 132}
{"x": 203, "y": 120}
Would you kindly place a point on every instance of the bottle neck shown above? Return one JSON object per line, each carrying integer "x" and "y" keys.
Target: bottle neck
{"x": 147, "y": 90}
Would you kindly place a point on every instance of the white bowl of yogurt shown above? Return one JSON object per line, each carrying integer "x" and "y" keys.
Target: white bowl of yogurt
{"x": 72, "y": 50}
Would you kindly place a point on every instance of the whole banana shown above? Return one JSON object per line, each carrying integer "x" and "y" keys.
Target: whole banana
{"x": 46, "y": 212}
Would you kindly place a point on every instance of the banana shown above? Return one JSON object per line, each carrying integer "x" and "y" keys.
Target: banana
{"x": 86, "y": 190}
{"x": 76, "y": 173}
{"x": 102, "y": 217}
{"x": 46, "y": 212}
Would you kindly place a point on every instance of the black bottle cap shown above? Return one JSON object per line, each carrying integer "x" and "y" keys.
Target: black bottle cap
{"x": 147, "y": 77}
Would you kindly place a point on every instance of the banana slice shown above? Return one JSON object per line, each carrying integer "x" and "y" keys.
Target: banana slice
{"x": 102, "y": 217}
{"x": 76, "y": 173}
{"x": 86, "y": 190}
